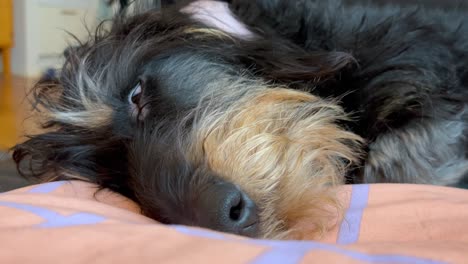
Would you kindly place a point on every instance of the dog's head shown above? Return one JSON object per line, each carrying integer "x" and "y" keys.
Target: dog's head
{"x": 193, "y": 123}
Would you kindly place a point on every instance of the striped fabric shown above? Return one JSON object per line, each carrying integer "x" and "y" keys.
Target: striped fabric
{"x": 72, "y": 222}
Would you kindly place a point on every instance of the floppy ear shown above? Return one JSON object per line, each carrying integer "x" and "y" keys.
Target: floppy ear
{"x": 282, "y": 60}
{"x": 315, "y": 67}
{"x": 72, "y": 145}
{"x": 71, "y": 153}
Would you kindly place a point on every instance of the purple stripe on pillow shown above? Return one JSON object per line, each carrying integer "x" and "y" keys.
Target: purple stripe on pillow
{"x": 47, "y": 187}
{"x": 351, "y": 224}
{"x": 53, "y": 219}
{"x": 292, "y": 252}
{"x": 198, "y": 232}
{"x": 73, "y": 220}
{"x": 282, "y": 255}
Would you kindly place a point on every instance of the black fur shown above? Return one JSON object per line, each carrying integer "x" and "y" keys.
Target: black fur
{"x": 410, "y": 87}
{"x": 401, "y": 73}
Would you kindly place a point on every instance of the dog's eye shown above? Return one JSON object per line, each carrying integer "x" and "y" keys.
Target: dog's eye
{"x": 135, "y": 95}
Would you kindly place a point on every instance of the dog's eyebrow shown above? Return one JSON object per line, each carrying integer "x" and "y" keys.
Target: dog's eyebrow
{"x": 217, "y": 14}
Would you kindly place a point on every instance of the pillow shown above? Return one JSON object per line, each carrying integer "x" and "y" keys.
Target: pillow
{"x": 73, "y": 222}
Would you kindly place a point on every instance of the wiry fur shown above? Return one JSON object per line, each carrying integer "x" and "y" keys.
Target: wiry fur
{"x": 256, "y": 144}
{"x": 281, "y": 147}
{"x": 282, "y": 115}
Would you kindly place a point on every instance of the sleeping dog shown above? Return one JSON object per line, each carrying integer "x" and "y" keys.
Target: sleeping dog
{"x": 242, "y": 116}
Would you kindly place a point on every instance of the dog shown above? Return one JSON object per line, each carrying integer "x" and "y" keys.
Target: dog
{"x": 245, "y": 122}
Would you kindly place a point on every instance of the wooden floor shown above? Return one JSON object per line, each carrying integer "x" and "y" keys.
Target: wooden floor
{"x": 15, "y": 113}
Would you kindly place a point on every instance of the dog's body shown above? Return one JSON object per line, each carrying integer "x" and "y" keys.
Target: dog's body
{"x": 409, "y": 89}
{"x": 186, "y": 118}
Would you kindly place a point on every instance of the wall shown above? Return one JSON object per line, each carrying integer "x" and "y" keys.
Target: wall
{"x": 39, "y": 29}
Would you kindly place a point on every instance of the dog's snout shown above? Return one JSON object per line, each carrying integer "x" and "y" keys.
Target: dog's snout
{"x": 226, "y": 208}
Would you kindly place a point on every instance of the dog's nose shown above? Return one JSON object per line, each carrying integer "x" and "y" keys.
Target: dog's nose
{"x": 226, "y": 208}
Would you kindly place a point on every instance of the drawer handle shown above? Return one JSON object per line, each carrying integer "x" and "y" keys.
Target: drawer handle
{"x": 69, "y": 12}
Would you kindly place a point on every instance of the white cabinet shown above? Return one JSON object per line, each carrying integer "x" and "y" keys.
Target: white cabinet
{"x": 42, "y": 28}
{"x": 55, "y": 26}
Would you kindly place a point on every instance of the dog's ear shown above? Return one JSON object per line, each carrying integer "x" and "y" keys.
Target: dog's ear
{"x": 71, "y": 153}
{"x": 286, "y": 62}
{"x": 72, "y": 145}
{"x": 312, "y": 67}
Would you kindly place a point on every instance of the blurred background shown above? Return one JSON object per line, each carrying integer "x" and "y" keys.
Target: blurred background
{"x": 33, "y": 36}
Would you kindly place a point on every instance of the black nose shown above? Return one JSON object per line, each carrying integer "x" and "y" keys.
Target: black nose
{"x": 225, "y": 208}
